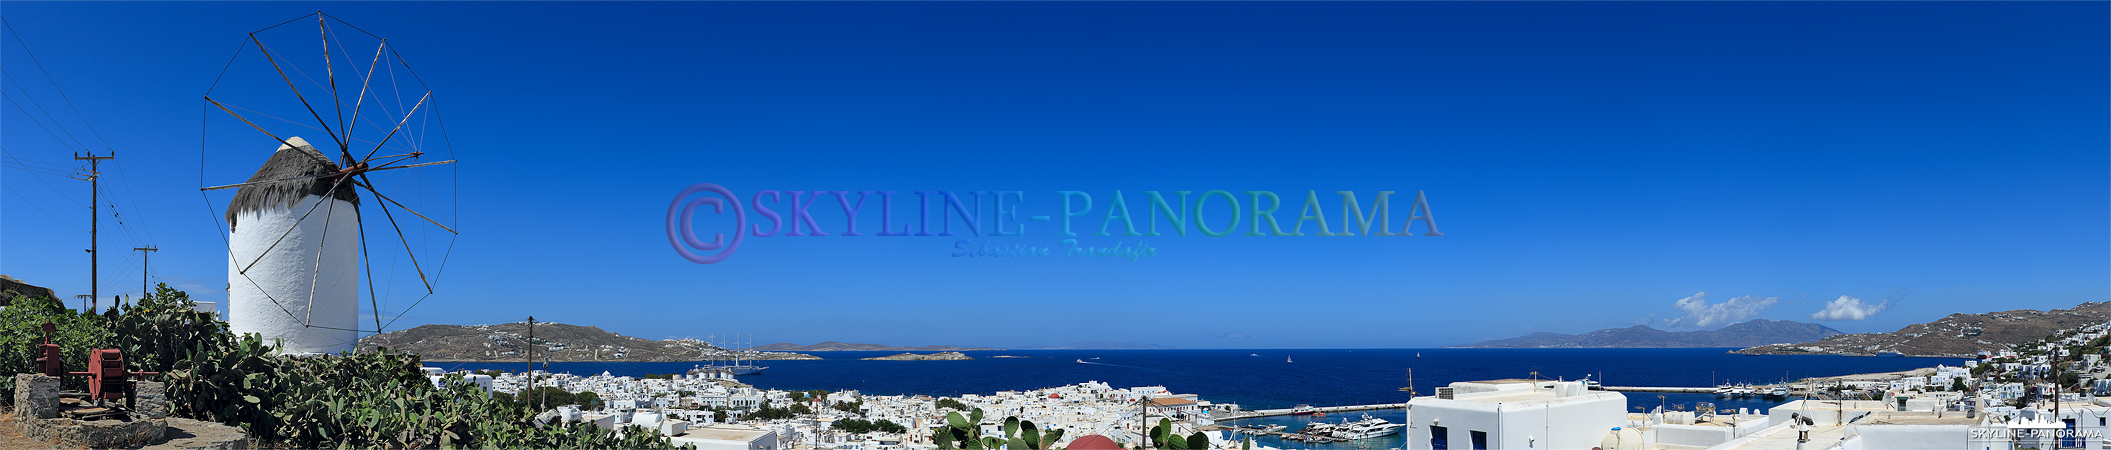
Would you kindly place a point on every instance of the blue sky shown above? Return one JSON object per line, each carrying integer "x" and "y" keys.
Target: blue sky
{"x": 1591, "y": 164}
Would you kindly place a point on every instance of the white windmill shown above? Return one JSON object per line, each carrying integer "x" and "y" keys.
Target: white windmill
{"x": 297, "y": 234}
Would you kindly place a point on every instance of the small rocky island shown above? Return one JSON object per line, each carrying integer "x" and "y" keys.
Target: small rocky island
{"x": 940, "y": 356}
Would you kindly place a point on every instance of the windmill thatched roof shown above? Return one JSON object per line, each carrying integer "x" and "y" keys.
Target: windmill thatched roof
{"x": 301, "y": 160}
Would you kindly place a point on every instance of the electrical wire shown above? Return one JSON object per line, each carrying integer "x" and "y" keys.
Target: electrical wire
{"x": 55, "y": 83}
{"x": 126, "y": 179}
{"x": 40, "y": 107}
{"x": 40, "y": 123}
{"x": 54, "y": 262}
{"x": 40, "y": 209}
{"x": 54, "y": 189}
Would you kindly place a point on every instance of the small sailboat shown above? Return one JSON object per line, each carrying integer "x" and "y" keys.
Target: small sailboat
{"x": 1286, "y": 359}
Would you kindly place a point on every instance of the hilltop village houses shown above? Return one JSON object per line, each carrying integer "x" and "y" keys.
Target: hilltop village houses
{"x": 2054, "y": 394}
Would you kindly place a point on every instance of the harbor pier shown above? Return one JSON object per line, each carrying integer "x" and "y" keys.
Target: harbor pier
{"x": 1288, "y": 411}
{"x": 1679, "y": 390}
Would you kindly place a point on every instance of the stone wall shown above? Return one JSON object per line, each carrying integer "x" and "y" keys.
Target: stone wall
{"x": 97, "y": 433}
{"x": 36, "y": 397}
{"x": 151, "y": 398}
{"x": 37, "y": 407}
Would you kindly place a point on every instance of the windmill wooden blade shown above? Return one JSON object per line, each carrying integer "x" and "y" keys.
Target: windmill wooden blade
{"x": 315, "y": 273}
{"x": 399, "y": 124}
{"x": 336, "y": 105}
{"x": 410, "y": 166}
{"x": 257, "y": 183}
{"x": 251, "y": 124}
{"x": 407, "y": 209}
{"x": 372, "y": 297}
{"x": 289, "y": 230}
{"x": 296, "y": 90}
{"x": 363, "y": 83}
{"x": 399, "y": 231}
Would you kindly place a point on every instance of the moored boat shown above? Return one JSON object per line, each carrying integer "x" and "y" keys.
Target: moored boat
{"x": 1369, "y": 427}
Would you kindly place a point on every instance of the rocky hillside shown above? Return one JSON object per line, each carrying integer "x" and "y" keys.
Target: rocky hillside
{"x": 942, "y": 356}
{"x": 553, "y": 341}
{"x": 1742, "y": 334}
{"x": 11, "y": 287}
{"x": 833, "y": 346}
{"x": 1959, "y": 335}
{"x": 1098, "y": 346}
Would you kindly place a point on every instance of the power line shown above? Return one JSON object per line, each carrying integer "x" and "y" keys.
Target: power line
{"x": 131, "y": 237}
{"x": 25, "y": 199}
{"x": 55, "y": 84}
{"x": 134, "y": 199}
{"x": 47, "y": 184}
{"x": 52, "y": 166}
{"x": 55, "y": 263}
{"x": 28, "y": 168}
{"x": 40, "y": 123}
{"x": 40, "y": 107}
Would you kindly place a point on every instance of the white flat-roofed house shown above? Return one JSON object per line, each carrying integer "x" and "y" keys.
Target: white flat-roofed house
{"x": 744, "y": 400}
{"x": 1174, "y": 407}
{"x": 728, "y": 437}
{"x": 1513, "y": 414}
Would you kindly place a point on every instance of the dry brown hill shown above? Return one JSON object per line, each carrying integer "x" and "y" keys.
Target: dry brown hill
{"x": 1959, "y": 335}
{"x": 555, "y": 342}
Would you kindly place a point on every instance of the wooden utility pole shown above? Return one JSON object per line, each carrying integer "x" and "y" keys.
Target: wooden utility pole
{"x": 143, "y": 268}
{"x": 94, "y": 215}
{"x": 531, "y": 360}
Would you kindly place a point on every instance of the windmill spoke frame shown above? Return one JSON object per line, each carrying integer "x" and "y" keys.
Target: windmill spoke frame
{"x": 350, "y": 169}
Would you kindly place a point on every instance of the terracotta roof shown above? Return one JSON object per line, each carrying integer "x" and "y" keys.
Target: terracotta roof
{"x": 1094, "y": 442}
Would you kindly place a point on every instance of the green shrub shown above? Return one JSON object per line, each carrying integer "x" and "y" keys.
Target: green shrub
{"x": 363, "y": 400}
{"x": 960, "y": 433}
{"x": 22, "y": 329}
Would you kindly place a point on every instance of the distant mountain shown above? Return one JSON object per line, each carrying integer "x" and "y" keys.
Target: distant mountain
{"x": 833, "y": 346}
{"x": 1743, "y": 334}
{"x": 1099, "y": 346}
{"x": 1958, "y": 335}
{"x": 940, "y": 356}
{"x": 553, "y": 342}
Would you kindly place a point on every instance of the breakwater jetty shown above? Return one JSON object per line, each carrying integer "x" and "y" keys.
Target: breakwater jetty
{"x": 1680, "y": 390}
{"x": 1288, "y": 411}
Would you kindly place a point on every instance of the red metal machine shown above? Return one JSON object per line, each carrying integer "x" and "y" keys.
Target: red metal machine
{"x": 47, "y": 360}
{"x": 107, "y": 378}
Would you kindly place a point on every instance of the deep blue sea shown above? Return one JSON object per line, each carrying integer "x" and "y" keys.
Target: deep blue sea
{"x": 1263, "y": 379}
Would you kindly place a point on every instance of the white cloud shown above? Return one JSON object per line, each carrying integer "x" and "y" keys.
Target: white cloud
{"x": 1700, "y": 314}
{"x": 1850, "y": 308}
